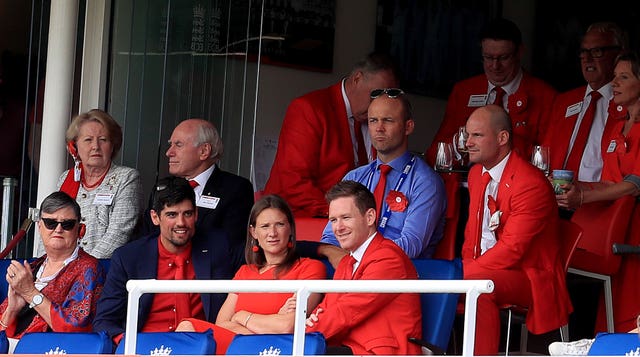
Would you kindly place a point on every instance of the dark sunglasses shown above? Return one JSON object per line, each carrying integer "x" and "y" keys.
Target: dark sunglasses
{"x": 391, "y": 92}
{"x": 51, "y": 223}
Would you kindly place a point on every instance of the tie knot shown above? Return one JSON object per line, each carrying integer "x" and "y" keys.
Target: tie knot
{"x": 193, "y": 183}
{"x": 384, "y": 169}
{"x": 595, "y": 95}
{"x": 486, "y": 177}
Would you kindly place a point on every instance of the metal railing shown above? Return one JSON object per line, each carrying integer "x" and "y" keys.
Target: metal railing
{"x": 303, "y": 288}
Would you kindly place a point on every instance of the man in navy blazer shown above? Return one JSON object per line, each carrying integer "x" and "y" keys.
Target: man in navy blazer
{"x": 224, "y": 200}
{"x": 173, "y": 254}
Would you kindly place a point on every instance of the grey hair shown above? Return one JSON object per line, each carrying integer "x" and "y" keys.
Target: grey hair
{"x": 207, "y": 134}
{"x": 619, "y": 35}
{"x": 59, "y": 200}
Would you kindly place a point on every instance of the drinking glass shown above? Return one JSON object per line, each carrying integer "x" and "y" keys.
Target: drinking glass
{"x": 460, "y": 140}
{"x": 540, "y": 158}
{"x": 444, "y": 157}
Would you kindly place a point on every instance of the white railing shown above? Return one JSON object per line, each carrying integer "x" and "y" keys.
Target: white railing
{"x": 303, "y": 288}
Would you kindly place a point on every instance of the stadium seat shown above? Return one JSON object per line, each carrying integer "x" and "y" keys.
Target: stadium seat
{"x": 275, "y": 344}
{"x": 174, "y": 343}
{"x": 64, "y": 343}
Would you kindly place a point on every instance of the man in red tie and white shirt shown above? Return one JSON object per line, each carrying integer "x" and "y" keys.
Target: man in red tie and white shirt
{"x": 379, "y": 324}
{"x": 580, "y": 116}
{"x": 511, "y": 235}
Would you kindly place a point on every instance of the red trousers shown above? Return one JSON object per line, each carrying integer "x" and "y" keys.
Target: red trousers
{"x": 511, "y": 287}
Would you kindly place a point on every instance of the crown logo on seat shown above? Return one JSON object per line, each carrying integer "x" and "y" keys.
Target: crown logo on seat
{"x": 161, "y": 351}
{"x": 272, "y": 351}
{"x": 57, "y": 351}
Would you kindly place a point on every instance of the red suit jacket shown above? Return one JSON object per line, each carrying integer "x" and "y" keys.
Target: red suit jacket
{"x": 561, "y": 127}
{"x": 528, "y": 107}
{"x": 526, "y": 239}
{"x": 373, "y": 323}
{"x": 314, "y": 151}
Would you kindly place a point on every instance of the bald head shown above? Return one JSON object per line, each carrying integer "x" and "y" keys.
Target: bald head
{"x": 194, "y": 146}
{"x": 490, "y": 132}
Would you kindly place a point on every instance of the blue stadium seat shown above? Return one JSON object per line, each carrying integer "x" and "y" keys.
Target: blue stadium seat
{"x": 4, "y": 342}
{"x": 174, "y": 343}
{"x": 64, "y": 343}
{"x": 438, "y": 310}
{"x": 615, "y": 344}
{"x": 275, "y": 344}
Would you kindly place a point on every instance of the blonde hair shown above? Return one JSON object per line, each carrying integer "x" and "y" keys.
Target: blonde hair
{"x": 113, "y": 128}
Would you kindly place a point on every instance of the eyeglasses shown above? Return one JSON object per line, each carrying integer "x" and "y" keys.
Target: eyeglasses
{"x": 390, "y": 92}
{"x": 501, "y": 59}
{"x": 51, "y": 223}
{"x": 596, "y": 52}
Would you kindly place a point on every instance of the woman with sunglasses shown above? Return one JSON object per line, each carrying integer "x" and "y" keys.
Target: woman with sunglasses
{"x": 58, "y": 291}
{"x": 270, "y": 253}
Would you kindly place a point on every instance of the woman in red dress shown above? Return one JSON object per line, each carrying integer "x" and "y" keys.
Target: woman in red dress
{"x": 270, "y": 254}
{"x": 620, "y": 177}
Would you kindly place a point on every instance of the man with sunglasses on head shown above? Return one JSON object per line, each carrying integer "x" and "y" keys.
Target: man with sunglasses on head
{"x": 176, "y": 253}
{"x": 411, "y": 200}
{"x": 527, "y": 99}
{"x": 580, "y": 116}
{"x": 324, "y": 135}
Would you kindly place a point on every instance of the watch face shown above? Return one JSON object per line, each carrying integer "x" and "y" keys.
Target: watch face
{"x": 37, "y": 300}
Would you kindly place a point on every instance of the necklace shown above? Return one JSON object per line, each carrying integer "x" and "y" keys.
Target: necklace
{"x": 86, "y": 185}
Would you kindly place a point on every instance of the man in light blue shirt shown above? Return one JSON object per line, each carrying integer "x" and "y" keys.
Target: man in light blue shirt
{"x": 414, "y": 201}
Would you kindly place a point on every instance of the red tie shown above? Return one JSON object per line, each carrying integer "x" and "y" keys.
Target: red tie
{"x": 183, "y": 306}
{"x": 362, "y": 151}
{"x": 193, "y": 183}
{"x": 486, "y": 178}
{"x": 378, "y": 193}
{"x": 351, "y": 261}
{"x": 499, "y": 96}
{"x": 575, "y": 156}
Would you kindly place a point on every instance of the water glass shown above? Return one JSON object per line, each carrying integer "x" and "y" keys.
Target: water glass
{"x": 444, "y": 157}
{"x": 540, "y": 158}
{"x": 460, "y": 140}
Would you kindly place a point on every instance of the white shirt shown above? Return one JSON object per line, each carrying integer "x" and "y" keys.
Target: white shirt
{"x": 591, "y": 163}
{"x": 365, "y": 132}
{"x": 202, "y": 179}
{"x": 488, "y": 237}
{"x": 359, "y": 253}
{"x": 509, "y": 89}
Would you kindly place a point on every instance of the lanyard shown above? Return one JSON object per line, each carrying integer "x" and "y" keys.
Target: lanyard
{"x": 384, "y": 218}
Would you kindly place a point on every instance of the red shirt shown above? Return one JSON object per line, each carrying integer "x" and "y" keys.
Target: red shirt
{"x": 167, "y": 310}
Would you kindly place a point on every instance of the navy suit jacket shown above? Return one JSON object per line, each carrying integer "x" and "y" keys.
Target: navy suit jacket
{"x": 231, "y": 214}
{"x": 139, "y": 260}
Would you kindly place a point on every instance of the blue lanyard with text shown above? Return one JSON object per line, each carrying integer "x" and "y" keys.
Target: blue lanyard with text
{"x": 384, "y": 218}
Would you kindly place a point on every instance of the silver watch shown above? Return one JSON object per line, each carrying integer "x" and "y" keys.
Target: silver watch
{"x": 36, "y": 300}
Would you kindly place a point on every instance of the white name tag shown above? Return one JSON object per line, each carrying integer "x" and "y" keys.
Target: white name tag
{"x": 573, "y": 109}
{"x": 612, "y": 146}
{"x": 477, "y": 100}
{"x": 103, "y": 199}
{"x": 208, "y": 202}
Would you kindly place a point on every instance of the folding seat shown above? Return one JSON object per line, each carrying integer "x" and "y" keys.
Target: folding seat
{"x": 173, "y": 343}
{"x": 275, "y": 344}
{"x": 64, "y": 343}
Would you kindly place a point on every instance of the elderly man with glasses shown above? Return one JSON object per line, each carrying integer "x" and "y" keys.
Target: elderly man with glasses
{"x": 579, "y": 117}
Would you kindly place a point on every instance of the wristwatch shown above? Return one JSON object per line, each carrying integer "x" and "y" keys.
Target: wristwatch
{"x": 36, "y": 300}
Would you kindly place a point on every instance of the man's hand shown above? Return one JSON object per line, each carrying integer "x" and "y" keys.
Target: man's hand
{"x": 333, "y": 253}
{"x": 313, "y": 318}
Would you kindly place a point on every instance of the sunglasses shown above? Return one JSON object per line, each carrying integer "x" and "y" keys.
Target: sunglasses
{"x": 390, "y": 92}
{"x": 51, "y": 223}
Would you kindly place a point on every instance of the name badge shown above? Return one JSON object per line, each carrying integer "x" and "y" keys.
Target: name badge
{"x": 573, "y": 109}
{"x": 612, "y": 146}
{"x": 208, "y": 202}
{"x": 477, "y": 100}
{"x": 103, "y": 199}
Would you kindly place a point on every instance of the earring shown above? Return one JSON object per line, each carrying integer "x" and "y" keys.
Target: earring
{"x": 256, "y": 247}
{"x": 290, "y": 244}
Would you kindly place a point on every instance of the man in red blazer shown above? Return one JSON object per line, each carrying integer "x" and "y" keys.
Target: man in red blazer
{"x": 511, "y": 236}
{"x": 527, "y": 99}
{"x": 318, "y": 143}
{"x": 378, "y": 324}
{"x": 600, "y": 46}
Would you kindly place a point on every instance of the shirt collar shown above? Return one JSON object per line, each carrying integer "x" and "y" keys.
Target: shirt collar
{"x": 510, "y": 87}
{"x": 497, "y": 170}
{"x": 163, "y": 253}
{"x": 606, "y": 91}
{"x": 397, "y": 163}
{"x": 203, "y": 177}
{"x": 346, "y": 100}
{"x": 359, "y": 252}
